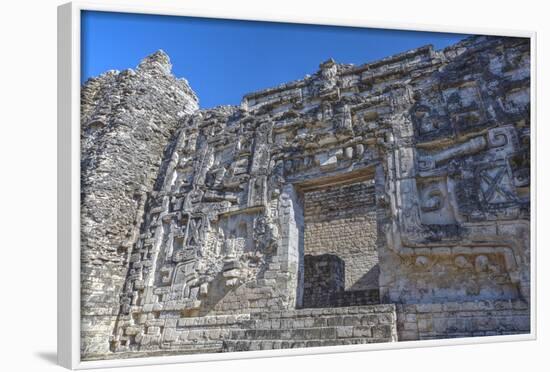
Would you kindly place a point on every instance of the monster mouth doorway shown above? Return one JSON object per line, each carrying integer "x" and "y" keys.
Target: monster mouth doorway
{"x": 338, "y": 256}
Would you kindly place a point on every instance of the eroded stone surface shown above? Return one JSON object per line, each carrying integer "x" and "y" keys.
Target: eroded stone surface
{"x": 413, "y": 171}
{"x": 128, "y": 118}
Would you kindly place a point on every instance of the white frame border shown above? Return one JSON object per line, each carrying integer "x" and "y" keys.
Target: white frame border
{"x": 68, "y": 190}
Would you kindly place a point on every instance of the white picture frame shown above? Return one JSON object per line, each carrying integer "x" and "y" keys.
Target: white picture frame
{"x": 69, "y": 182}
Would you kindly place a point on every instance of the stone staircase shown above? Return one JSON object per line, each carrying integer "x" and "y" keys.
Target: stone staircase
{"x": 265, "y": 330}
{"x": 315, "y": 327}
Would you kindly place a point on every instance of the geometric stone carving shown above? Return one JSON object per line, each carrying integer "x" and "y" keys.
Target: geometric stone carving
{"x": 435, "y": 205}
{"x": 195, "y": 231}
{"x": 470, "y": 147}
{"x": 257, "y": 191}
{"x": 496, "y": 185}
{"x": 465, "y": 106}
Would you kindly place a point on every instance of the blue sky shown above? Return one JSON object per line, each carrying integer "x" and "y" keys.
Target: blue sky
{"x": 225, "y": 59}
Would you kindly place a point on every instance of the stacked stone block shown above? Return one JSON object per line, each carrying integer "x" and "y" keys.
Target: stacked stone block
{"x": 324, "y": 284}
{"x": 324, "y": 276}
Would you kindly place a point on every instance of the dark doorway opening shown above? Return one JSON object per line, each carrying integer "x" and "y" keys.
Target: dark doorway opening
{"x": 340, "y": 262}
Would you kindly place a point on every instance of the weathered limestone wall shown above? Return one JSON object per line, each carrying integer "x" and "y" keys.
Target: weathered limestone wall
{"x": 207, "y": 245}
{"x": 418, "y": 162}
{"x": 128, "y": 118}
{"x": 342, "y": 221}
{"x": 457, "y": 181}
{"x": 462, "y": 319}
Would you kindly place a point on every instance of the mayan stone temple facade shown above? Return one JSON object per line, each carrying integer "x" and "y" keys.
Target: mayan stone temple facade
{"x": 384, "y": 202}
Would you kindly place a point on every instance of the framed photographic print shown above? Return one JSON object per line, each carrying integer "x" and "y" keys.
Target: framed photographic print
{"x": 234, "y": 186}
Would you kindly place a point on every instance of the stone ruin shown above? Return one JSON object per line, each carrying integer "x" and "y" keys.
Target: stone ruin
{"x": 376, "y": 203}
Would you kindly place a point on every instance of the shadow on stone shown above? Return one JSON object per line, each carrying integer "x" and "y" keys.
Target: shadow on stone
{"x": 369, "y": 280}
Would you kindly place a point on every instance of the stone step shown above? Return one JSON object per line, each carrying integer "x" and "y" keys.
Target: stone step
{"x": 214, "y": 346}
{"x": 323, "y": 333}
{"x": 329, "y": 321}
{"x": 328, "y": 311}
{"x": 329, "y": 326}
{"x": 250, "y": 345}
{"x": 321, "y": 321}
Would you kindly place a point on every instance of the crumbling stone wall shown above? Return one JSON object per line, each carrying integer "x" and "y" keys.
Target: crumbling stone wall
{"x": 221, "y": 226}
{"x": 127, "y": 121}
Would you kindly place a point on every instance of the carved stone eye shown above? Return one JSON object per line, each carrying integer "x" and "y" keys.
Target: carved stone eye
{"x": 433, "y": 201}
{"x": 481, "y": 263}
{"x": 462, "y": 262}
{"x": 422, "y": 261}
